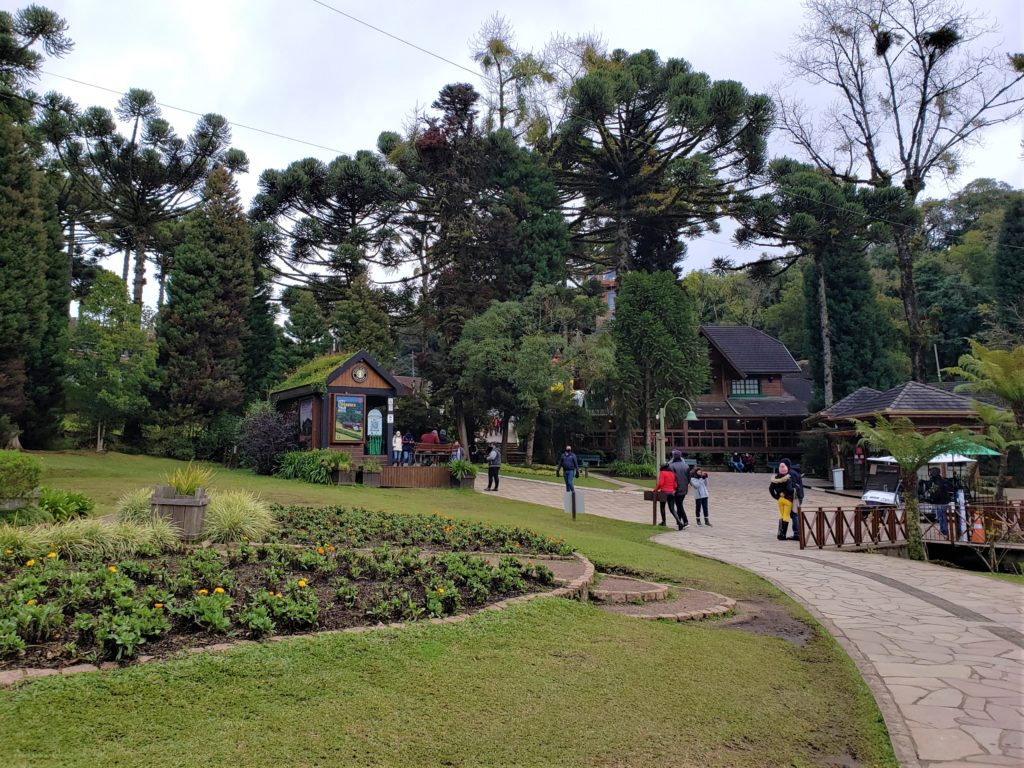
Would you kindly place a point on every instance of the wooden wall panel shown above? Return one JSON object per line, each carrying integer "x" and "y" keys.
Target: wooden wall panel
{"x": 373, "y": 379}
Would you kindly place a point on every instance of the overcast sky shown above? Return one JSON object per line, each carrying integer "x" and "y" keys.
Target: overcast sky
{"x": 298, "y": 69}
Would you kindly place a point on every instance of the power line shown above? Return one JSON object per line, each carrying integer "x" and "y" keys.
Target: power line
{"x": 200, "y": 114}
{"x": 401, "y": 40}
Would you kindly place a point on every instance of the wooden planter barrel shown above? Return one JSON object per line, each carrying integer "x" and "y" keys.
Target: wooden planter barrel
{"x": 466, "y": 482}
{"x": 343, "y": 476}
{"x": 371, "y": 479}
{"x": 185, "y": 513}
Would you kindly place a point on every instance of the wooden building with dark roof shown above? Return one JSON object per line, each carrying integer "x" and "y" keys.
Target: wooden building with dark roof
{"x": 345, "y": 402}
{"x": 756, "y": 402}
{"x": 929, "y": 408}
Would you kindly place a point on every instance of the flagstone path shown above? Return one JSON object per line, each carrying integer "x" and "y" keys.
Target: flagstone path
{"x": 941, "y": 649}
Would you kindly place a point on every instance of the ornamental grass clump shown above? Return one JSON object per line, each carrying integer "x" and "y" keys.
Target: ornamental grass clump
{"x": 135, "y": 506}
{"x": 189, "y": 479}
{"x": 237, "y": 516}
{"x": 83, "y": 538}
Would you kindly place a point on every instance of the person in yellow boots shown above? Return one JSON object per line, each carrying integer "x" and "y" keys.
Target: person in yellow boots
{"x": 783, "y": 489}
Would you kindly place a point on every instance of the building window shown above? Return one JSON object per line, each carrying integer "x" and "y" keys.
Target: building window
{"x": 745, "y": 388}
{"x": 611, "y": 300}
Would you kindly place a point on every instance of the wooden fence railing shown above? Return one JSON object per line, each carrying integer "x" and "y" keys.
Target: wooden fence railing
{"x": 1001, "y": 523}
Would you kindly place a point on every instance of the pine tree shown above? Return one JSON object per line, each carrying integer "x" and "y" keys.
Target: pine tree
{"x": 1009, "y": 271}
{"x": 202, "y": 327}
{"x": 45, "y": 368}
{"x": 306, "y": 326}
{"x": 864, "y": 342}
{"x": 359, "y": 323}
{"x": 261, "y": 348}
{"x": 24, "y": 250}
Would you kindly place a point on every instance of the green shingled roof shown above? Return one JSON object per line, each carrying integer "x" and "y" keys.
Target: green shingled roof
{"x": 314, "y": 373}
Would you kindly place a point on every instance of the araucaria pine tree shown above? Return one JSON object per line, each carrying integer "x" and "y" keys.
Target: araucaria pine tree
{"x": 1010, "y": 269}
{"x": 202, "y": 327}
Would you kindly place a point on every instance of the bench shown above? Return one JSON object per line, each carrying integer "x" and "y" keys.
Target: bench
{"x": 433, "y": 450}
{"x": 589, "y": 459}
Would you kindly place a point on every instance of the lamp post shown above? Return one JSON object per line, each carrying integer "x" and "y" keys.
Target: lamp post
{"x": 690, "y": 416}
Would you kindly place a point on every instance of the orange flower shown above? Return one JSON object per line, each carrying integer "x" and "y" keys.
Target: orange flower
{"x": 270, "y": 592}
{"x": 158, "y": 606}
{"x": 332, "y": 548}
{"x": 219, "y": 591}
{"x": 279, "y": 596}
{"x": 204, "y": 592}
{"x": 319, "y": 550}
{"x": 302, "y": 583}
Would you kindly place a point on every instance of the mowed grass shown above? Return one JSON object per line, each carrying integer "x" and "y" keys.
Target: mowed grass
{"x": 547, "y": 683}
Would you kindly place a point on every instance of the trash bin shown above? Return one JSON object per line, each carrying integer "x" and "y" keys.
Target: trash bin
{"x": 837, "y": 478}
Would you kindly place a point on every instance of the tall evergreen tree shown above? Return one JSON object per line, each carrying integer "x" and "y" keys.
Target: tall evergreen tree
{"x": 306, "y": 326}
{"x": 202, "y": 327}
{"x": 1009, "y": 271}
{"x": 262, "y": 347}
{"x": 865, "y": 346}
{"x": 658, "y": 353}
{"x": 24, "y": 255}
{"x": 358, "y": 322}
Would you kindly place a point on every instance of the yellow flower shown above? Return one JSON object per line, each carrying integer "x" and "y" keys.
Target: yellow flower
{"x": 158, "y": 605}
{"x": 31, "y": 602}
{"x": 112, "y": 568}
{"x": 270, "y": 592}
{"x": 331, "y": 548}
{"x": 30, "y": 563}
{"x": 302, "y": 582}
{"x": 52, "y": 555}
{"x": 204, "y": 591}
{"x": 8, "y": 551}
{"x": 279, "y": 596}
{"x": 440, "y": 590}
{"x": 219, "y": 591}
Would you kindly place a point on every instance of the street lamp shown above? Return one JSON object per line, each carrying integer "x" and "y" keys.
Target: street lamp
{"x": 690, "y": 416}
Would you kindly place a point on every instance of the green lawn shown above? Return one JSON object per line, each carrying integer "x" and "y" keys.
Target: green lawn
{"x": 548, "y": 683}
{"x": 550, "y": 477}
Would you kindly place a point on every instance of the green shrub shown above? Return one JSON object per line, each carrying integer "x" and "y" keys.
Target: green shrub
{"x": 27, "y": 515}
{"x": 187, "y": 480}
{"x": 461, "y": 469}
{"x": 134, "y": 506}
{"x": 19, "y": 474}
{"x": 371, "y": 465}
{"x": 312, "y": 466}
{"x": 218, "y": 437}
{"x": 630, "y": 469}
{"x": 10, "y": 643}
{"x": 172, "y": 441}
{"x": 65, "y": 505}
{"x": 237, "y": 516}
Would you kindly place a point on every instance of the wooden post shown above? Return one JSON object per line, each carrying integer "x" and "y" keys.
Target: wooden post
{"x": 574, "y": 504}
{"x": 858, "y": 530}
{"x": 840, "y": 521}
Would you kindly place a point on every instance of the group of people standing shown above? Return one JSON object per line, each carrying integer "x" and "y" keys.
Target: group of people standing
{"x": 403, "y": 447}
{"x": 675, "y": 479}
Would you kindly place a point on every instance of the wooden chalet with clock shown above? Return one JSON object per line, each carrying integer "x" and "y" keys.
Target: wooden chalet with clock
{"x": 343, "y": 402}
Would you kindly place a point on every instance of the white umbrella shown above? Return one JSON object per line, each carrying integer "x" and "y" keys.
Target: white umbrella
{"x": 942, "y": 458}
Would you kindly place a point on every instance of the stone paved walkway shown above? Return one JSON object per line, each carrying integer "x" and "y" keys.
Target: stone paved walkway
{"x": 941, "y": 649}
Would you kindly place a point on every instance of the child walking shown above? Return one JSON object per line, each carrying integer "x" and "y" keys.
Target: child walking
{"x": 699, "y": 483}
{"x": 667, "y": 483}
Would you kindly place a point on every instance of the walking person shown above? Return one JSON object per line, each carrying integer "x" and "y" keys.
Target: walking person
{"x": 493, "y": 467}
{"x": 783, "y": 490}
{"x": 699, "y": 483}
{"x": 798, "y": 495}
{"x": 396, "y": 448}
{"x": 408, "y": 447}
{"x": 668, "y": 485}
{"x": 682, "y": 472}
{"x": 568, "y": 466}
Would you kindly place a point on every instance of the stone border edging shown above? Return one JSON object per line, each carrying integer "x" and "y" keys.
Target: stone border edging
{"x": 721, "y": 609}
{"x": 577, "y": 589}
{"x": 645, "y": 591}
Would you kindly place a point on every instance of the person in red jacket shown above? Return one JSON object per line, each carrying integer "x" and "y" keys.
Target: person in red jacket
{"x": 667, "y": 483}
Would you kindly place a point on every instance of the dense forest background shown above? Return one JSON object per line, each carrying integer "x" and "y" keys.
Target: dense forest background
{"x": 473, "y": 247}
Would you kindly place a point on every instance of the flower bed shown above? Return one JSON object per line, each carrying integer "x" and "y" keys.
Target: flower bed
{"x": 56, "y": 612}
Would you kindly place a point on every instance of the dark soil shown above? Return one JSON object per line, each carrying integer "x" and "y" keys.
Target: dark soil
{"x": 760, "y": 616}
{"x": 249, "y": 580}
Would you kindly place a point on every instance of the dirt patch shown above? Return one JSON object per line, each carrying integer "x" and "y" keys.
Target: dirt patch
{"x": 690, "y": 601}
{"x": 765, "y": 617}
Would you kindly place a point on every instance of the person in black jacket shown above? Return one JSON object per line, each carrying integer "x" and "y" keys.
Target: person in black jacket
{"x": 682, "y": 471}
{"x": 568, "y": 466}
{"x": 939, "y": 497}
{"x": 783, "y": 490}
{"x": 798, "y": 496}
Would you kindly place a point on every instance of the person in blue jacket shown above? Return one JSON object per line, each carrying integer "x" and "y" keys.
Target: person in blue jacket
{"x": 568, "y": 466}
